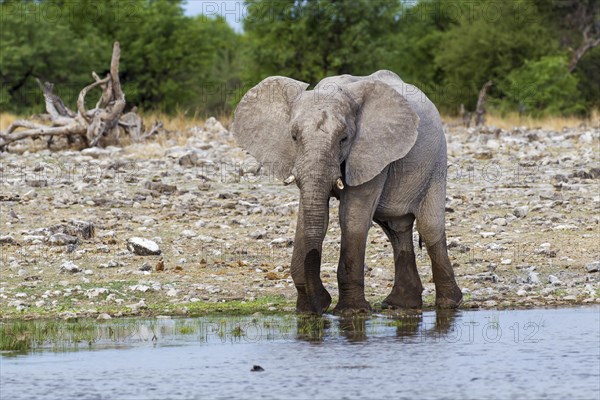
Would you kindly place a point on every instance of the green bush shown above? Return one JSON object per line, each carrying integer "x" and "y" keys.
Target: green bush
{"x": 543, "y": 87}
{"x": 198, "y": 65}
{"x": 169, "y": 62}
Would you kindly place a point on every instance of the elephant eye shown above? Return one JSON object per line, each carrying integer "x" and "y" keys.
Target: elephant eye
{"x": 344, "y": 139}
{"x": 294, "y": 134}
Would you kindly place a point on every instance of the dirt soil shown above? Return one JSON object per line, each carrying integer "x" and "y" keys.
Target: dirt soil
{"x": 522, "y": 224}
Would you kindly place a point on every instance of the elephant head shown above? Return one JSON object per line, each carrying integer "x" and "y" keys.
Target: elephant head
{"x": 343, "y": 132}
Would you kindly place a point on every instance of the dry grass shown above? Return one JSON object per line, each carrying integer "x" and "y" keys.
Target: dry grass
{"x": 549, "y": 123}
{"x": 177, "y": 122}
{"x": 178, "y": 125}
{"x": 180, "y": 122}
{"x": 6, "y": 119}
{"x": 512, "y": 120}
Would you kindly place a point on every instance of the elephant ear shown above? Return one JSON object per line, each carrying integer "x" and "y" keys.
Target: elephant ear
{"x": 386, "y": 130}
{"x": 261, "y": 122}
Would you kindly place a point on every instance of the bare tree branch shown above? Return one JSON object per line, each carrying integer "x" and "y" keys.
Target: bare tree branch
{"x": 107, "y": 91}
{"x": 41, "y": 131}
{"x": 102, "y": 123}
{"x": 480, "y": 110}
{"x": 106, "y": 120}
{"x": 83, "y": 93}
{"x": 587, "y": 44}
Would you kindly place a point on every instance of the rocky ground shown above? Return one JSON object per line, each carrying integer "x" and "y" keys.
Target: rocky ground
{"x": 187, "y": 224}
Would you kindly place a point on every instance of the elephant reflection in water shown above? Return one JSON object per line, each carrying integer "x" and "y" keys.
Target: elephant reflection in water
{"x": 410, "y": 325}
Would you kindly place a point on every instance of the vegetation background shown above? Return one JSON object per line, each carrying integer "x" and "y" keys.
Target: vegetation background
{"x": 539, "y": 54}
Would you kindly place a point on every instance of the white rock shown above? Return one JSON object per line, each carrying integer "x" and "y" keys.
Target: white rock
{"x": 553, "y": 280}
{"x": 281, "y": 242}
{"x": 68, "y": 266}
{"x": 500, "y": 221}
{"x": 143, "y": 247}
{"x": 137, "y": 306}
{"x": 565, "y": 227}
{"x": 377, "y": 272}
{"x": 214, "y": 126}
{"x": 520, "y": 212}
{"x": 68, "y": 315}
{"x": 586, "y": 138}
{"x": 188, "y": 233}
{"x": 7, "y": 239}
{"x": 492, "y": 145}
{"x": 140, "y": 288}
{"x": 593, "y": 267}
{"x": 95, "y": 292}
{"x": 487, "y": 234}
{"x": 533, "y": 278}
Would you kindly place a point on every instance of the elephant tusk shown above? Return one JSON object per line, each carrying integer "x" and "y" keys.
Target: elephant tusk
{"x": 339, "y": 183}
{"x": 289, "y": 179}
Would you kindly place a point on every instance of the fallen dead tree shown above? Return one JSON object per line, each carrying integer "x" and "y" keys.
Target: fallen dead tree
{"x": 99, "y": 126}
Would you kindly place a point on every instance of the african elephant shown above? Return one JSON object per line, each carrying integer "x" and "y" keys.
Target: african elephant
{"x": 376, "y": 144}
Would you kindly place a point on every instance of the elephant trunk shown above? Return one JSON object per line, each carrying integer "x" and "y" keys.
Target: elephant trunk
{"x": 315, "y": 222}
{"x": 315, "y": 189}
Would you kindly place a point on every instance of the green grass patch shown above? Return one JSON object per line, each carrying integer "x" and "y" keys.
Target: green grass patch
{"x": 155, "y": 305}
{"x": 23, "y": 336}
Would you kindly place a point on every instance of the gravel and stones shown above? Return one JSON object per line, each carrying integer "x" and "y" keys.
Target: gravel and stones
{"x": 191, "y": 218}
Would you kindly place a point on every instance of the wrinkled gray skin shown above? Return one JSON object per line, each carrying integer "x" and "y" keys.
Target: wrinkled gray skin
{"x": 384, "y": 138}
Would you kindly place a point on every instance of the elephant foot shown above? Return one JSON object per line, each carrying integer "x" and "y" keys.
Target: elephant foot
{"x": 352, "y": 307}
{"x": 305, "y": 306}
{"x": 404, "y": 297}
{"x": 394, "y": 301}
{"x": 448, "y": 296}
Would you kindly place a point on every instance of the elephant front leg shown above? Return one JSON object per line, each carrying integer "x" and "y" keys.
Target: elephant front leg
{"x": 357, "y": 206}
{"x": 351, "y": 275}
{"x": 407, "y": 289}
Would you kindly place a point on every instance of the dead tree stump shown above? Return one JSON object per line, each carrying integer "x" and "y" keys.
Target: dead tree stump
{"x": 99, "y": 126}
{"x": 480, "y": 110}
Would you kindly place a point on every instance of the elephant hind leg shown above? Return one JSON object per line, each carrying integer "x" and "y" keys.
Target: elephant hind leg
{"x": 448, "y": 294}
{"x": 431, "y": 224}
{"x": 407, "y": 289}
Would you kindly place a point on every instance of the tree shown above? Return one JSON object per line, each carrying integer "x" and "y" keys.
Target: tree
{"x": 420, "y": 31}
{"x": 309, "y": 40}
{"x": 169, "y": 59}
{"x": 543, "y": 87}
{"x": 32, "y": 45}
{"x": 488, "y": 41}
{"x": 577, "y": 23}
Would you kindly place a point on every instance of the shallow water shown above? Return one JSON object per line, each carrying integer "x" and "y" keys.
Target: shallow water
{"x": 524, "y": 354}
